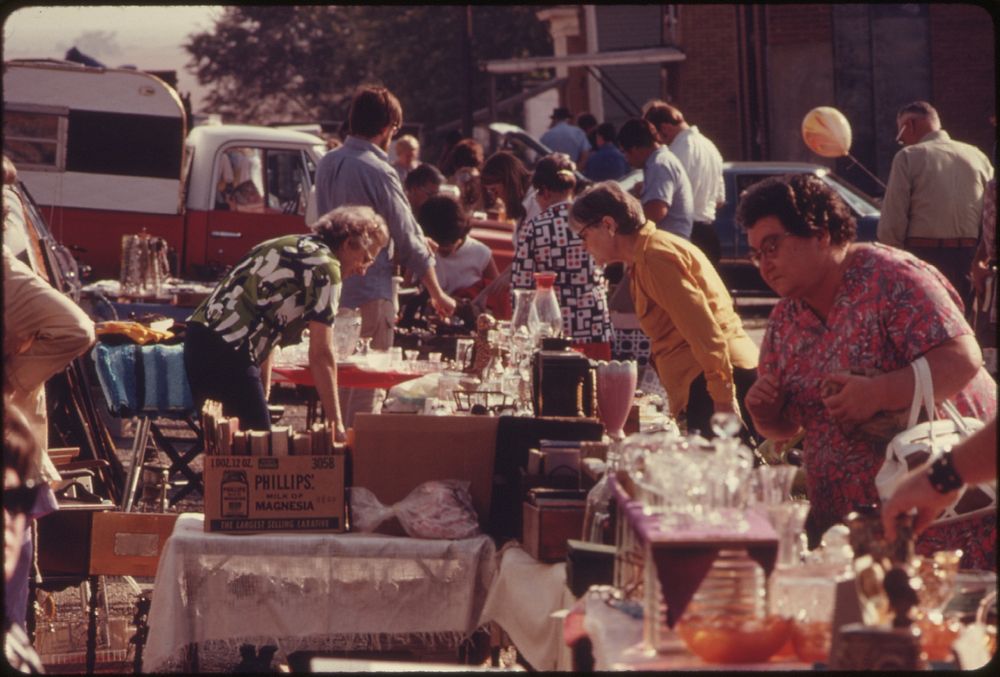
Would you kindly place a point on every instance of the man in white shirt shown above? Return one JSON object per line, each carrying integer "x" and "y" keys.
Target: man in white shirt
{"x": 703, "y": 164}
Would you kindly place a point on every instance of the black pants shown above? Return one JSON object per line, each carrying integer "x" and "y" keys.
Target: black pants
{"x": 700, "y": 406}
{"x": 703, "y": 236}
{"x": 220, "y": 372}
{"x": 954, "y": 263}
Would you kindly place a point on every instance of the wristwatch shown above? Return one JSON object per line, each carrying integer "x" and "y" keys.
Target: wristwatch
{"x": 943, "y": 476}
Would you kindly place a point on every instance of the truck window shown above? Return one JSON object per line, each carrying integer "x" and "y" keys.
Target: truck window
{"x": 287, "y": 181}
{"x": 124, "y": 145}
{"x": 240, "y": 186}
{"x": 32, "y": 140}
{"x": 262, "y": 180}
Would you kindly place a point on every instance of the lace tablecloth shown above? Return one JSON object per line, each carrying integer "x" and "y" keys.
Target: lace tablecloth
{"x": 214, "y": 592}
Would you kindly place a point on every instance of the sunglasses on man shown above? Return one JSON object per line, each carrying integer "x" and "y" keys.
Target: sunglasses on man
{"x": 20, "y": 500}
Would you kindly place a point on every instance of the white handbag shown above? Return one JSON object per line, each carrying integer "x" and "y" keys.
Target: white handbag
{"x": 928, "y": 440}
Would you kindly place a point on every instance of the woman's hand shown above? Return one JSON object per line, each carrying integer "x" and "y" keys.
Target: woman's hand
{"x": 765, "y": 399}
{"x": 855, "y": 399}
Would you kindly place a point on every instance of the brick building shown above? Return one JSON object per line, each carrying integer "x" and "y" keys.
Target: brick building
{"x": 748, "y": 74}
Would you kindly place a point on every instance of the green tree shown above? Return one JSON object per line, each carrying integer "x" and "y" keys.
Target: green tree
{"x": 264, "y": 63}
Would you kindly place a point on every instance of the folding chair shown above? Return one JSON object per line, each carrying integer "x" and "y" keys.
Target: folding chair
{"x": 150, "y": 382}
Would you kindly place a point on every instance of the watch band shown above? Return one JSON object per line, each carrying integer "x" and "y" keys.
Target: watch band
{"x": 943, "y": 476}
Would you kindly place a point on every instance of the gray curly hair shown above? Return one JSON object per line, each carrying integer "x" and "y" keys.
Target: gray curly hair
{"x": 357, "y": 224}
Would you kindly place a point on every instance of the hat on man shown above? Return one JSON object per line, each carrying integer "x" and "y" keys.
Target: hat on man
{"x": 561, "y": 113}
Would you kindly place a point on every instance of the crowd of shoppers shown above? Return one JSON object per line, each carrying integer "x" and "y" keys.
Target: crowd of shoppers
{"x": 834, "y": 359}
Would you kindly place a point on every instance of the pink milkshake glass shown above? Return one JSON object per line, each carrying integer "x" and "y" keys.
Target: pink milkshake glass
{"x": 616, "y": 382}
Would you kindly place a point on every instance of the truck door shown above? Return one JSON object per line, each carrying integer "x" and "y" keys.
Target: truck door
{"x": 260, "y": 193}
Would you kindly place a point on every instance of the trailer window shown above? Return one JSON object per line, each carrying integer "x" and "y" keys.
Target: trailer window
{"x": 125, "y": 145}
{"x": 32, "y": 140}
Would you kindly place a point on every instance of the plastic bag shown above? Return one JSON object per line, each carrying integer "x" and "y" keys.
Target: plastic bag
{"x": 435, "y": 509}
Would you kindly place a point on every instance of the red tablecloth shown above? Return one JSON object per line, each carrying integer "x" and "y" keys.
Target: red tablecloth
{"x": 348, "y": 376}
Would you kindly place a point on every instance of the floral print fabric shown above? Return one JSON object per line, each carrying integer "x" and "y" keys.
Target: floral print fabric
{"x": 890, "y": 309}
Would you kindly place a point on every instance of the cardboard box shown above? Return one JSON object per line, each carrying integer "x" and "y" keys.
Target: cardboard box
{"x": 249, "y": 494}
{"x": 129, "y": 544}
{"x": 92, "y": 540}
{"x": 393, "y": 454}
{"x": 550, "y": 522}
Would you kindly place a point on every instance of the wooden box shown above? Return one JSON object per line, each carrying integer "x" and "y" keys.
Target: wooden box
{"x": 550, "y": 521}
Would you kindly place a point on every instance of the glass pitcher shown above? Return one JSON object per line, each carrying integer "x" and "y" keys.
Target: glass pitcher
{"x": 549, "y": 314}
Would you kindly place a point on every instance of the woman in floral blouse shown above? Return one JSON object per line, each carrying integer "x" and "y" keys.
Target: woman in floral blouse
{"x": 838, "y": 348}
{"x": 545, "y": 243}
{"x": 280, "y": 288}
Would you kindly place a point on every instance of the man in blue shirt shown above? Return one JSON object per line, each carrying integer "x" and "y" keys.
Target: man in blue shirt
{"x": 667, "y": 198}
{"x": 359, "y": 173}
{"x": 607, "y": 163}
{"x": 564, "y": 137}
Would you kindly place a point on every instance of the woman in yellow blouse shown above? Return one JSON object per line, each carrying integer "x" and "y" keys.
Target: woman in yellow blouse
{"x": 702, "y": 355}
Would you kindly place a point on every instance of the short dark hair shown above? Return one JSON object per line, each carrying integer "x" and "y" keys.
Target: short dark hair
{"x": 662, "y": 112}
{"x": 586, "y": 121}
{"x": 637, "y": 133}
{"x": 920, "y": 108}
{"x": 554, "y": 172}
{"x": 373, "y": 108}
{"x": 465, "y": 153}
{"x": 804, "y": 205}
{"x": 504, "y": 168}
{"x": 606, "y": 131}
{"x": 443, "y": 219}
{"x": 607, "y": 198}
{"x": 421, "y": 175}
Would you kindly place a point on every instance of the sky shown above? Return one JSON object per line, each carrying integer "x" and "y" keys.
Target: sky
{"x": 149, "y": 37}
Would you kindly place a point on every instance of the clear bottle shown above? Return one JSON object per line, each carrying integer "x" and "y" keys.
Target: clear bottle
{"x": 549, "y": 314}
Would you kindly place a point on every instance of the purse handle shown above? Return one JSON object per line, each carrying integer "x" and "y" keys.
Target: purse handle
{"x": 923, "y": 391}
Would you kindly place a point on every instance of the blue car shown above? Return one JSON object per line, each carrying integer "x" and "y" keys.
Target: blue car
{"x": 739, "y": 274}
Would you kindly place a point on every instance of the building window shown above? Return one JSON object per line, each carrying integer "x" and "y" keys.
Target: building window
{"x": 35, "y": 140}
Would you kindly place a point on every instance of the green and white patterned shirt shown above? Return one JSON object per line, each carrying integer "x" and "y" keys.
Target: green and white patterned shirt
{"x": 272, "y": 293}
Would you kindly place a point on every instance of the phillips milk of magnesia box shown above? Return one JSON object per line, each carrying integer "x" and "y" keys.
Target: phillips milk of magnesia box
{"x": 252, "y": 494}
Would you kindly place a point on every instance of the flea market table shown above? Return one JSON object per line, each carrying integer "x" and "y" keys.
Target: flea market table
{"x": 309, "y": 592}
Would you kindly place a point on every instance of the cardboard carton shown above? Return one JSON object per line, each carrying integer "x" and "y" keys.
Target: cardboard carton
{"x": 392, "y": 455}
{"x": 250, "y": 494}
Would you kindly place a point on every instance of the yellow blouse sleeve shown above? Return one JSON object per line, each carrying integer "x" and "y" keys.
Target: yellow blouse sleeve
{"x": 670, "y": 284}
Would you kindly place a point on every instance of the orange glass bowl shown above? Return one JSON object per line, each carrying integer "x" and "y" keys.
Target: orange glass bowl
{"x": 733, "y": 640}
{"x": 811, "y": 640}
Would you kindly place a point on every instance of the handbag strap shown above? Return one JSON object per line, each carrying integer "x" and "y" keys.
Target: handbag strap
{"x": 956, "y": 418}
{"x": 923, "y": 391}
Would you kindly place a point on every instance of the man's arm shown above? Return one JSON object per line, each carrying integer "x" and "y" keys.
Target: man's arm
{"x": 655, "y": 210}
{"x": 895, "y": 217}
{"x": 51, "y": 328}
{"x": 323, "y": 365}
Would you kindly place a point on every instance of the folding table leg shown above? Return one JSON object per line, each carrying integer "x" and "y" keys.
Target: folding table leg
{"x": 138, "y": 457}
{"x": 179, "y": 463}
{"x": 92, "y": 625}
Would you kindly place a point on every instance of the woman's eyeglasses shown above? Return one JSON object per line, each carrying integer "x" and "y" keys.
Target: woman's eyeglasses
{"x": 768, "y": 248}
{"x": 20, "y": 500}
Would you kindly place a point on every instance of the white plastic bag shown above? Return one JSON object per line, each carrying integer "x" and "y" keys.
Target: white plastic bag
{"x": 435, "y": 509}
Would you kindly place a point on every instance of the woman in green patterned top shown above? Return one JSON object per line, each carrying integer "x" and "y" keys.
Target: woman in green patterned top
{"x": 276, "y": 291}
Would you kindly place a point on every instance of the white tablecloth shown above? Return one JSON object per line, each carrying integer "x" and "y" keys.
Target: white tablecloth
{"x": 523, "y": 598}
{"x": 310, "y": 592}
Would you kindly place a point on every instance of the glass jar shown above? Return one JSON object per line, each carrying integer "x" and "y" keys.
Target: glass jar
{"x": 549, "y": 315}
